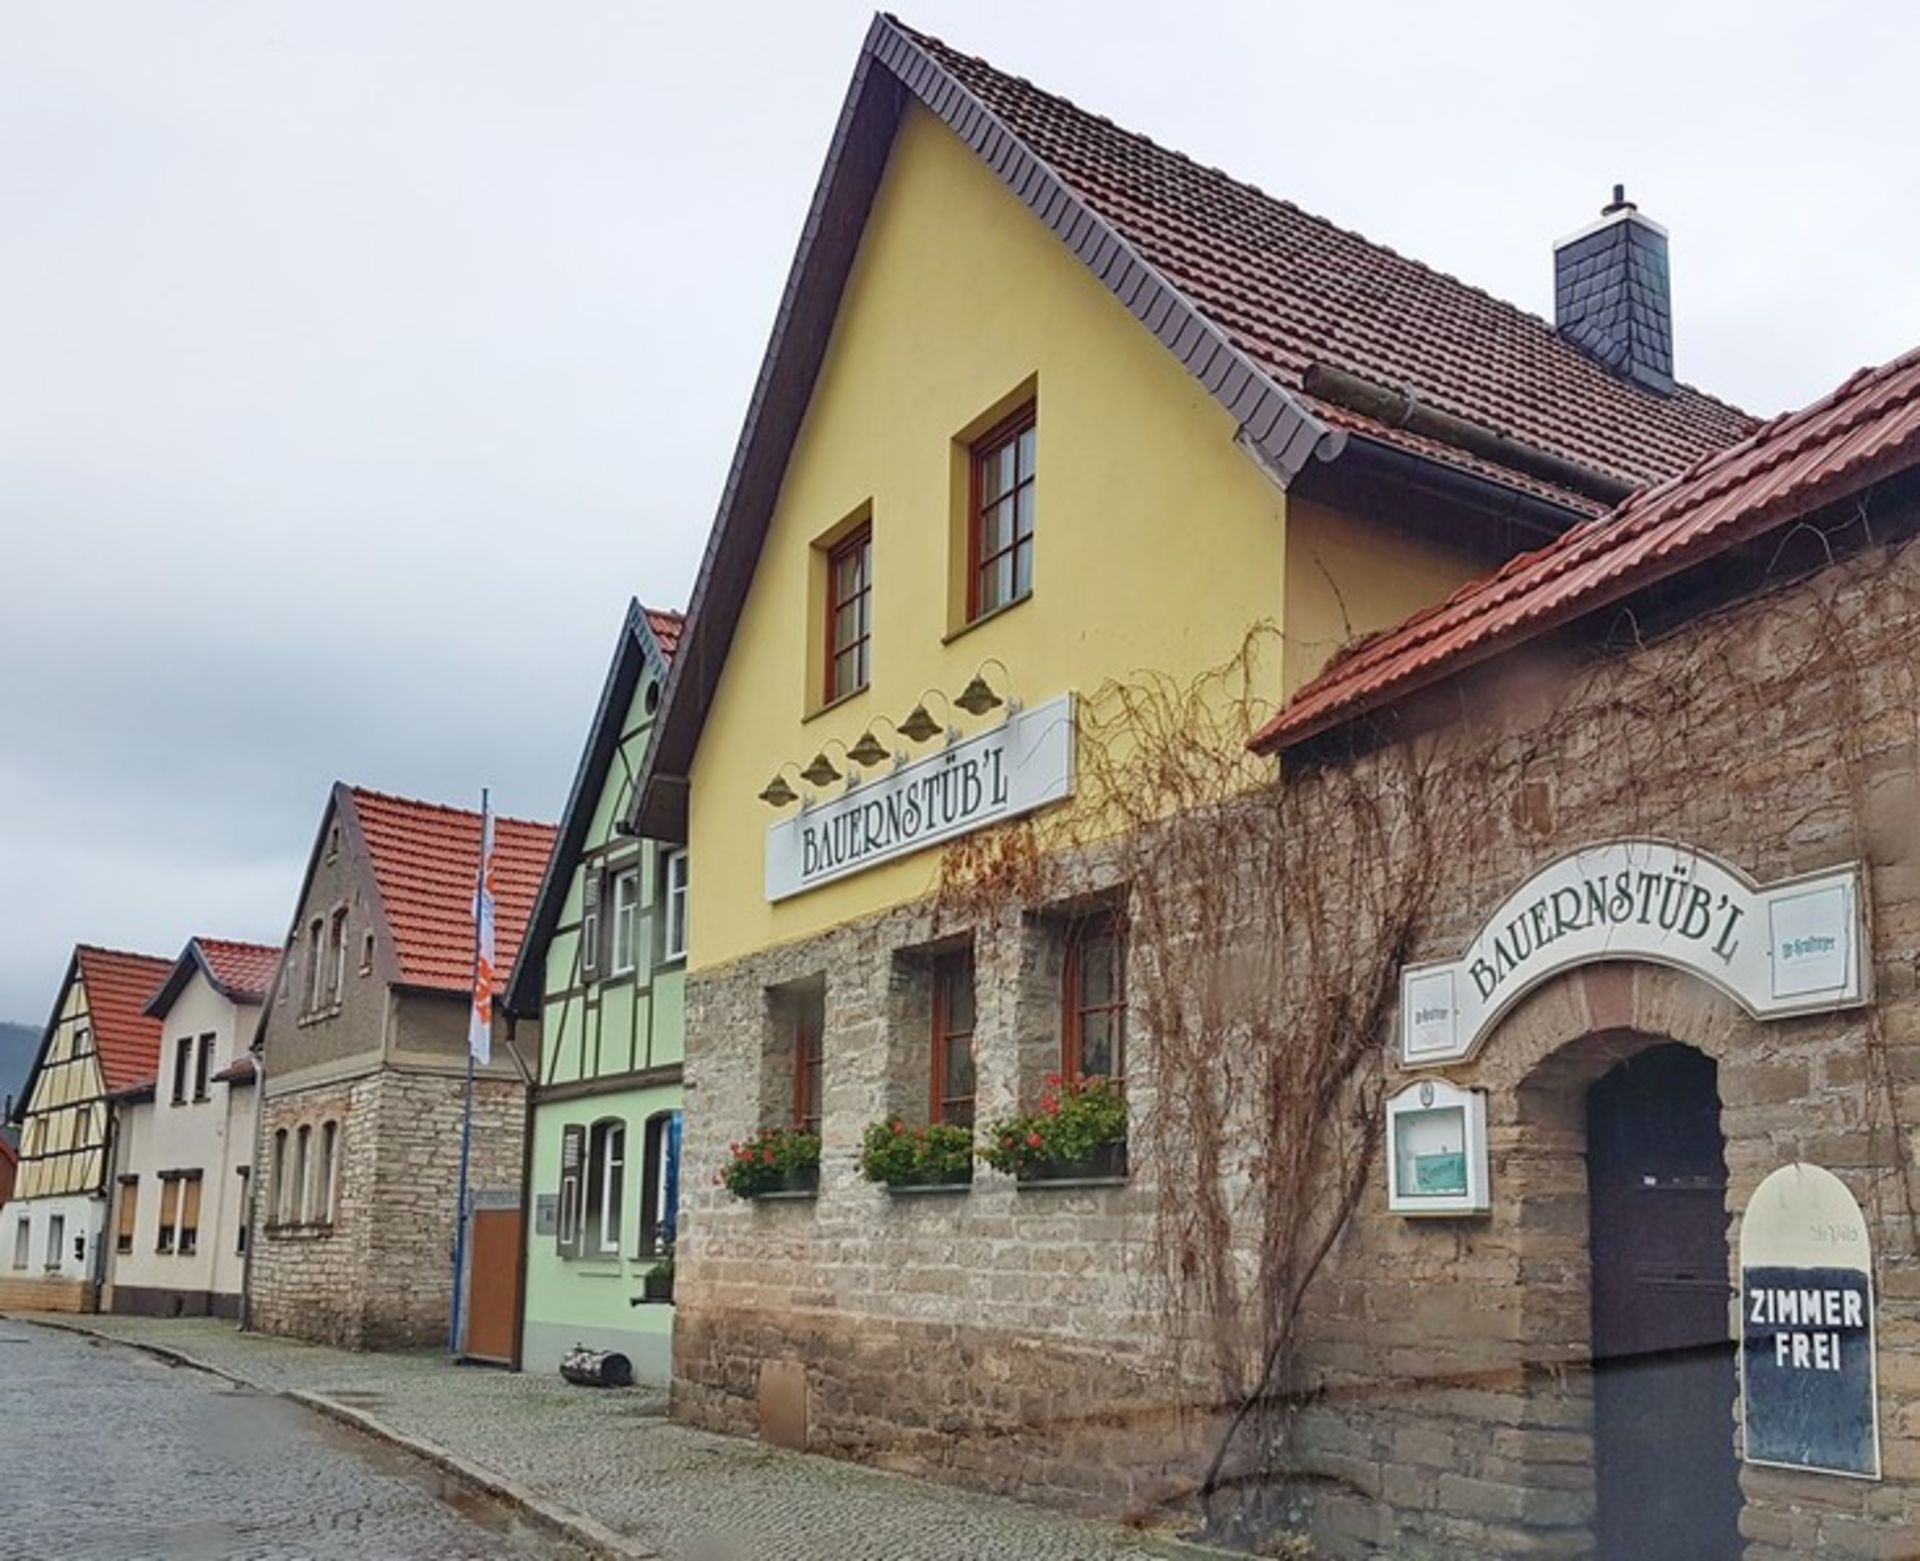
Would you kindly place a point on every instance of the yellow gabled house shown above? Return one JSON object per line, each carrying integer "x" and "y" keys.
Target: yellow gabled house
{"x": 1045, "y": 406}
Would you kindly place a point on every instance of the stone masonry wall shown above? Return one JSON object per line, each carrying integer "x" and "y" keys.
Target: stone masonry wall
{"x": 380, "y": 1275}
{"x": 1007, "y": 1338}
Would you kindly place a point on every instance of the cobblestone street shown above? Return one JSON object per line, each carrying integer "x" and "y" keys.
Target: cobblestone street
{"x": 292, "y": 1485}
{"x": 110, "y": 1455}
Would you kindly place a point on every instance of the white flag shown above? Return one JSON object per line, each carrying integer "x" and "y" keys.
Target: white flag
{"x": 480, "y": 1025}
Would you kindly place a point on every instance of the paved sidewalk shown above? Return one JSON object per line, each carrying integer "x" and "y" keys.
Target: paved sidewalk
{"x": 635, "y": 1482}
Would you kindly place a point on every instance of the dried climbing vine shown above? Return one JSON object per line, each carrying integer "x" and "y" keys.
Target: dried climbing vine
{"x": 1269, "y": 919}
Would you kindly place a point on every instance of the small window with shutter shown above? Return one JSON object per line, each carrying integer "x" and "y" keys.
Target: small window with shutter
{"x": 573, "y": 1154}
{"x": 591, "y": 894}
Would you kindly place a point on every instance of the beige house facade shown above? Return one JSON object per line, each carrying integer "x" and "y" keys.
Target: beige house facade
{"x": 184, "y": 1140}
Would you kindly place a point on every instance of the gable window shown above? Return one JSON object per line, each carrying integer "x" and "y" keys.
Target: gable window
{"x": 809, "y": 1020}
{"x": 128, "y": 1213}
{"x": 674, "y": 896}
{"x": 953, "y": 1038}
{"x": 849, "y": 613}
{"x": 337, "y": 956}
{"x": 316, "y": 933}
{"x": 203, "y": 1067}
{"x": 366, "y": 954}
{"x": 182, "y": 1060}
{"x": 591, "y": 887}
{"x": 169, "y": 1212}
{"x": 606, "y": 1184}
{"x": 1094, "y": 1027}
{"x": 660, "y": 1191}
{"x": 626, "y": 921}
{"x": 1000, "y": 534}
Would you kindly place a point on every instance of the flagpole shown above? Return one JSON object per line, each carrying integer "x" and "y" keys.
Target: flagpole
{"x": 460, "y": 1213}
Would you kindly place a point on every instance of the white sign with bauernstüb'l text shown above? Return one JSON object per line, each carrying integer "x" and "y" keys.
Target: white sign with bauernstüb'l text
{"x": 1794, "y": 947}
{"x": 1023, "y": 763}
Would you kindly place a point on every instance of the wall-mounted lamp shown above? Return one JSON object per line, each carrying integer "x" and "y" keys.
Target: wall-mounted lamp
{"x": 869, "y": 750}
{"x": 978, "y": 697}
{"x": 777, "y": 793}
{"x": 919, "y": 724}
{"x": 821, "y": 772}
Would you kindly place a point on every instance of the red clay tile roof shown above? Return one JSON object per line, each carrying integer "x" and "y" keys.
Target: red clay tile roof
{"x": 1291, "y": 289}
{"x": 425, "y": 859}
{"x": 244, "y": 971}
{"x": 1861, "y": 433}
{"x": 666, "y": 625}
{"x": 118, "y": 985}
{"x": 239, "y": 1071}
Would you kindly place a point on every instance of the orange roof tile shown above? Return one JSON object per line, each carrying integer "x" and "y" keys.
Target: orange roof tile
{"x": 244, "y": 971}
{"x": 1290, "y": 289}
{"x": 118, "y": 985}
{"x": 1865, "y": 430}
{"x": 666, "y": 625}
{"x": 426, "y": 857}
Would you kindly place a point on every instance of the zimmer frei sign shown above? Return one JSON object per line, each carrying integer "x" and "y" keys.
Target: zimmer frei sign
{"x": 1807, "y": 1365}
{"x": 1023, "y": 763}
{"x": 1793, "y": 947}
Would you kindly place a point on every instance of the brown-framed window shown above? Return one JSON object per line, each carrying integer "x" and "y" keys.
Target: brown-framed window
{"x": 182, "y": 1061}
{"x": 169, "y": 1212}
{"x": 953, "y": 1038}
{"x": 809, "y": 1050}
{"x": 1094, "y": 1028}
{"x": 129, "y": 1212}
{"x": 203, "y": 1066}
{"x": 849, "y": 613}
{"x": 189, "y": 1214}
{"x": 1000, "y": 525}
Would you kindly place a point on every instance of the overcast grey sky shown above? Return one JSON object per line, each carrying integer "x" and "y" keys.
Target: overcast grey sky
{"x": 358, "y": 361}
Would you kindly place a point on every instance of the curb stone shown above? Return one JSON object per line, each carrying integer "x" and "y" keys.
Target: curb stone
{"x": 589, "y": 1534}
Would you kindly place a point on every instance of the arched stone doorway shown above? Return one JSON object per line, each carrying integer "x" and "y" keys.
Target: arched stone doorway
{"x": 1612, "y": 1149}
{"x": 1667, "y": 1487}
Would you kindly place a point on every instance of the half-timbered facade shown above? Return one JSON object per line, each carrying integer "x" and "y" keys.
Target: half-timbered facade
{"x": 601, "y": 968}
{"x": 99, "y": 1041}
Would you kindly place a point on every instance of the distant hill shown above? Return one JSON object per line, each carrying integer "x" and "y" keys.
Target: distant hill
{"x": 18, "y": 1043}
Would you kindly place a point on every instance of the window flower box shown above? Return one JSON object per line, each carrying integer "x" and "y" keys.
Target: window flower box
{"x": 908, "y": 1160}
{"x": 1078, "y": 1136}
{"x": 1104, "y": 1167}
{"x": 781, "y": 1162}
{"x": 656, "y": 1284}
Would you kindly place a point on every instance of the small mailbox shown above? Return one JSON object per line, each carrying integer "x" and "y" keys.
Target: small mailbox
{"x": 1437, "y": 1150}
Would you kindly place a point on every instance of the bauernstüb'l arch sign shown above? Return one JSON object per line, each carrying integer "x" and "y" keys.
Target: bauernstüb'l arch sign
{"x": 1792, "y": 947}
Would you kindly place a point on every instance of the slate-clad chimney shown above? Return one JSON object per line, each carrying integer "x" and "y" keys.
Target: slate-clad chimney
{"x": 1611, "y": 297}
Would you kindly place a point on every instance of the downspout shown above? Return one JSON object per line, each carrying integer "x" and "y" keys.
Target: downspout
{"x": 259, "y": 1054}
{"x": 108, "y": 1150}
{"x": 517, "y": 1360}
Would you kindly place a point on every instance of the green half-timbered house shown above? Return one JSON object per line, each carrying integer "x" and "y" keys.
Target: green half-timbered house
{"x": 601, "y": 966}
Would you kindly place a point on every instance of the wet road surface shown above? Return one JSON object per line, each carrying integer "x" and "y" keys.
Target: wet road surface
{"x": 107, "y": 1454}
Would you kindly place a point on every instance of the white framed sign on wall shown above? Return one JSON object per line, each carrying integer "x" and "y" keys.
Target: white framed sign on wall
{"x": 1788, "y": 948}
{"x": 1437, "y": 1150}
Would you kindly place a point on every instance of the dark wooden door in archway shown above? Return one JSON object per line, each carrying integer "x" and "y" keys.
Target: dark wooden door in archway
{"x": 1663, "y": 1354}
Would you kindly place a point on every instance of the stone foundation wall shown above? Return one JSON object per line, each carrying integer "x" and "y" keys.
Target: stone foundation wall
{"x": 45, "y": 1295}
{"x": 1009, "y": 1339}
{"x": 379, "y": 1275}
